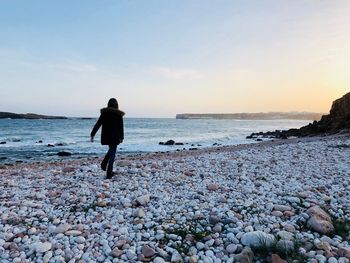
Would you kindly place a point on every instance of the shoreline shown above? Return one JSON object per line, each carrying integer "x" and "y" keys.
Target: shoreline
{"x": 205, "y": 205}
{"x": 75, "y": 159}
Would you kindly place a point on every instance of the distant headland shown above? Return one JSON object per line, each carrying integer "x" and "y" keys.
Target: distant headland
{"x": 32, "y": 116}
{"x": 254, "y": 116}
{"x": 337, "y": 121}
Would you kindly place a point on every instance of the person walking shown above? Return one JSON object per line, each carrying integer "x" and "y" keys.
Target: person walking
{"x": 111, "y": 120}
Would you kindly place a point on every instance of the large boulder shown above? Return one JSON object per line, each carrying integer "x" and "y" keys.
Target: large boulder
{"x": 319, "y": 220}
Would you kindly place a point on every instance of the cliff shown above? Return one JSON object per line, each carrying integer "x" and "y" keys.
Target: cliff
{"x": 336, "y": 121}
{"x": 253, "y": 116}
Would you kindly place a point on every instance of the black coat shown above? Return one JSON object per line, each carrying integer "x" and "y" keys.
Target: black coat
{"x": 111, "y": 120}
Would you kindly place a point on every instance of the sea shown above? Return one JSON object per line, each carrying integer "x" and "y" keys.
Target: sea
{"x": 23, "y": 140}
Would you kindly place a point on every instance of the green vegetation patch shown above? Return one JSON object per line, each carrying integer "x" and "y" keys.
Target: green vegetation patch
{"x": 291, "y": 254}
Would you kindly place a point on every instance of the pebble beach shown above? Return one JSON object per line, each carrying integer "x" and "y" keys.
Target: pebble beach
{"x": 219, "y": 204}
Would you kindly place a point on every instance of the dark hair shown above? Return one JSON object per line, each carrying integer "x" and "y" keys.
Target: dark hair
{"x": 113, "y": 103}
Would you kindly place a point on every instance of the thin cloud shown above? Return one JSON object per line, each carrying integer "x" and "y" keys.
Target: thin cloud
{"x": 172, "y": 73}
{"x": 70, "y": 66}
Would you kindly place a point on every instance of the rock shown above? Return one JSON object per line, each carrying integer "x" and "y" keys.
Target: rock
{"x": 257, "y": 239}
{"x": 282, "y": 208}
{"x": 277, "y": 213}
{"x": 139, "y": 213}
{"x": 158, "y": 260}
{"x": 344, "y": 252}
{"x": 80, "y": 240}
{"x": 73, "y": 233}
{"x": 130, "y": 254}
{"x": 62, "y": 228}
{"x": 148, "y": 251}
{"x": 217, "y": 229}
{"x": 321, "y": 258}
{"x": 69, "y": 169}
{"x": 332, "y": 260}
{"x": 319, "y": 212}
{"x": 41, "y": 247}
{"x": 343, "y": 260}
{"x": 319, "y": 220}
{"x": 246, "y": 256}
{"x": 288, "y": 213}
{"x": 200, "y": 245}
{"x": 290, "y": 228}
{"x": 101, "y": 203}
{"x": 213, "y": 187}
{"x": 189, "y": 173}
{"x": 293, "y": 199}
{"x": 214, "y": 219}
{"x": 120, "y": 243}
{"x": 277, "y": 259}
{"x": 285, "y": 235}
{"x": 47, "y": 257}
{"x": 176, "y": 258}
{"x": 169, "y": 142}
{"x": 285, "y": 245}
{"x": 64, "y": 153}
{"x": 141, "y": 257}
{"x": 231, "y": 248}
{"x": 323, "y": 246}
{"x": 116, "y": 252}
{"x": 32, "y": 231}
{"x": 193, "y": 259}
{"x": 144, "y": 199}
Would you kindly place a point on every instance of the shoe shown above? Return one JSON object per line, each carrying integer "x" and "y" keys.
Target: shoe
{"x": 110, "y": 172}
{"x": 104, "y": 164}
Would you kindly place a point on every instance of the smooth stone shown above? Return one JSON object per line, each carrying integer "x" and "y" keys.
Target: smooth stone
{"x": 282, "y": 208}
{"x": 257, "y": 238}
{"x": 158, "y": 260}
{"x": 116, "y": 252}
{"x": 231, "y": 248}
{"x": 148, "y": 251}
{"x": 319, "y": 220}
{"x": 144, "y": 199}
{"x": 80, "y": 240}
{"x": 319, "y": 225}
{"x": 213, "y": 219}
{"x": 285, "y": 245}
{"x": 176, "y": 258}
{"x": 277, "y": 259}
{"x": 217, "y": 229}
{"x": 213, "y": 187}
{"x": 32, "y": 231}
{"x": 285, "y": 235}
{"x": 246, "y": 256}
{"x": 200, "y": 245}
{"x": 73, "y": 233}
{"x": 120, "y": 243}
{"x": 62, "y": 228}
{"x": 42, "y": 247}
{"x": 332, "y": 260}
{"x": 277, "y": 213}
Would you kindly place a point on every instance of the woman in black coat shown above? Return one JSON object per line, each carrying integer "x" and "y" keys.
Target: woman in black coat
{"x": 112, "y": 134}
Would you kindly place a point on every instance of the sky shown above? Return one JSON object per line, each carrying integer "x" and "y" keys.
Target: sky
{"x": 160, "y": 58}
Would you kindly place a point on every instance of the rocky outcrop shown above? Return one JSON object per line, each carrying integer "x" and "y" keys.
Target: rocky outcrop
{"x": 336, "y": 121}
{"x": 32, "y": 116}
